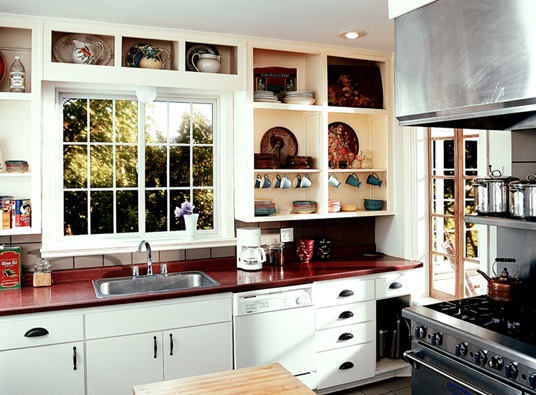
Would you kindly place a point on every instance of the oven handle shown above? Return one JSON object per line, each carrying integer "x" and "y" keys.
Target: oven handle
{"x": 415, "y": 362}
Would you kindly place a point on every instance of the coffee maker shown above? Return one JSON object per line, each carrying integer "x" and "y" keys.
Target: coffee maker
{"x": 249, "y": 253}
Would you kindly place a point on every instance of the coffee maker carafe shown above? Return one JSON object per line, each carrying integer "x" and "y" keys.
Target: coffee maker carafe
{"x": 249, "y": 253}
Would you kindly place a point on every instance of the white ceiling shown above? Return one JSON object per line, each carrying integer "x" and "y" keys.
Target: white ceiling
{"x": 317, "y": 21}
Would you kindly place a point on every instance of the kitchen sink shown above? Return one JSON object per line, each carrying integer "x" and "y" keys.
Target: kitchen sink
{"x": 136, "y": 285}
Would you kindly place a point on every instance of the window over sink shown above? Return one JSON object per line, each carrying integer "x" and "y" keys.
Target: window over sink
{"x": 125, "y": 166}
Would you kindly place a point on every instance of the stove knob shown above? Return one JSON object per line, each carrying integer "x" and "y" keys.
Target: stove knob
{"x": 496, "y": 363}
{"x": 481, "y": 357}
{"x": 461, "y": 349}
{"x": 532, "y": 381}
{"x": 511, "y": 370}
{"x": 420, "y": 332}
{"x": 437, "y": 339}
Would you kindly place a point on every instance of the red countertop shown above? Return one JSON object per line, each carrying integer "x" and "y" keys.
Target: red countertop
{"x": 74, "y": 289}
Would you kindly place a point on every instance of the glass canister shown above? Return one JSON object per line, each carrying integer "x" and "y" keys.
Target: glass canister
{"x": 276, "y": 253}
{"x": 42, "y": 274}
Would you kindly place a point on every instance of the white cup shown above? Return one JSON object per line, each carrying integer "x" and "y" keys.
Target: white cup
{"x": 334, "y": 181}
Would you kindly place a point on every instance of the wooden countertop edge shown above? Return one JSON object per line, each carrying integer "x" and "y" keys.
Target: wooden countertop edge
{"x": 73, "y": 288}
{"x": 270, "y": 379}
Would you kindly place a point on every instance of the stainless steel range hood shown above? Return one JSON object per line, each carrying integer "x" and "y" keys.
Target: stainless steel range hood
{"x": 467, "y": 64}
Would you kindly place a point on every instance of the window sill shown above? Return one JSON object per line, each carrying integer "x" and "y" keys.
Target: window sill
{"x": 82, "y": 249}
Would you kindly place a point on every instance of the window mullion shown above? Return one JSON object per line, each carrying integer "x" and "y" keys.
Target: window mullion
{"x": 140, "y": 167}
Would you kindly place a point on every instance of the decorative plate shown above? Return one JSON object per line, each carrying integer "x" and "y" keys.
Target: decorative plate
{"x": 280, "y": 141}
{"x": 343, "y": 145}
{"x": 134, "y": 55}
{"x": 200, "y": 49}
{"x": 3, "y": 66}
{"x": 63, "y": 49}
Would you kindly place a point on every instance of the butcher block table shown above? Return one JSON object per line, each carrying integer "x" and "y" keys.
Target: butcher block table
{"x": 270, "y": 379}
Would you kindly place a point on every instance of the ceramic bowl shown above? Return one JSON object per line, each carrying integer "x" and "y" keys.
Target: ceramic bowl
{"x": 373, "y": 204}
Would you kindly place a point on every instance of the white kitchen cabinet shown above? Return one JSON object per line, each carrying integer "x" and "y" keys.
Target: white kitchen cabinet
{"x": 345, "y": 331}
{"x": 20, "y": 114}
{"x": 308, "y": 126}
{"x": 146, "y": 343}
{"x": 42, "y": 354}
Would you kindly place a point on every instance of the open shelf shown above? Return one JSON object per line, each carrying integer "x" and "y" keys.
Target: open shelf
{"x": 499, "y": 221}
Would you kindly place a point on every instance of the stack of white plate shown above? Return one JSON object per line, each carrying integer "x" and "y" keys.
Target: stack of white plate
{"x": 266, "y": 96}
{"x": 299, "y": 97}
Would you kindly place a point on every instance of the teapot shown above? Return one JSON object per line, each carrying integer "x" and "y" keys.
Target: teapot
{"x": 207, "y": 62}
{"x": 85, "y": 53}
{"x": 153, "y": 57}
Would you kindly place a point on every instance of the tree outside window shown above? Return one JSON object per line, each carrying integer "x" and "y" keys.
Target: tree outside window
{"x": 127, "y": 165}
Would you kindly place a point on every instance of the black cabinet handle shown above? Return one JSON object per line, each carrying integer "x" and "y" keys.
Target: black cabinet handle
{"x": 395, "y": 285}
{"x": 171, "y": 344}
{"x": 346, "y": 365}
{"x": 155, "y": 346}
{"x": 346, "y": 293}
{"x": 346, "y": 336}
{"x": 346, "y": 314}
{"x": 34, "y": 332}
{"x": 74, "y": 358}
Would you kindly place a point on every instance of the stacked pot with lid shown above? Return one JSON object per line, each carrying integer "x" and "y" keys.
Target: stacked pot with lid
{"x": 523, "y": 198}
{"x": 491, "y": 193}
{"x": 503, "y": 196}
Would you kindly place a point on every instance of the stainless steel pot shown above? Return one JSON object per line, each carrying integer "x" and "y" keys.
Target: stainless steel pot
{"x": 491, "y": 193}
{"x": 523, "y": 197}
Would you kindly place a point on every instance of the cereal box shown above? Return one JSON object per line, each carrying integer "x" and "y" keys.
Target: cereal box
{"x": 10, "y": 267}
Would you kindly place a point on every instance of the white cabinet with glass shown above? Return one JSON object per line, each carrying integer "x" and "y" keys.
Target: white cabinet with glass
{"x": 345, "y": 138}
{"x": 20, "y": 114}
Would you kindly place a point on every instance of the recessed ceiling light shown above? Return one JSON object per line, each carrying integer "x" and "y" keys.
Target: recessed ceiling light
{"x": 353, "y": 34}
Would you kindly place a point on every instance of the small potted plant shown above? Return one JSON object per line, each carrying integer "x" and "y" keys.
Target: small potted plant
{"x": 186, "y": 211}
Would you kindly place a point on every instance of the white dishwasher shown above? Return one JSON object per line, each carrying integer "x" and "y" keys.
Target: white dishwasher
{"x": 276, "y": 325}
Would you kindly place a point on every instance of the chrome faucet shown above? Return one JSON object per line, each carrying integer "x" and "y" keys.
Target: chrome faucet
{"x": 149, "y": 256}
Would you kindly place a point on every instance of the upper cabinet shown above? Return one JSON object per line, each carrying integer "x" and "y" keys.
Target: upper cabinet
{"x": 321, "y": 144}
{"x": 19, "y": 134}
{"x": 139, "y": 56}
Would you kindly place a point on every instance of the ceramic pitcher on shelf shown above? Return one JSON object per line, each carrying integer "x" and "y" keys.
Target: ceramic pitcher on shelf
{"x": 87, "y": 53}
{"x": 153, "y": 57}
{"x": 206, "y": 63}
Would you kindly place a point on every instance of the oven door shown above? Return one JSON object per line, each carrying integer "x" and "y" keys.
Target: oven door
{"x": 442, "y": 375}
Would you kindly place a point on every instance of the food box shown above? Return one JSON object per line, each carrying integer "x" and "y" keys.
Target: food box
{"x": 10, "y": 267}
{"x": 21, "y": 212}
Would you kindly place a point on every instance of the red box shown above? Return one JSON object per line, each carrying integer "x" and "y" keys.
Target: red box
{"x": 10, "y": 267}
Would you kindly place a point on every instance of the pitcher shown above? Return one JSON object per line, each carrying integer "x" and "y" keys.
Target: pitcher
{"x": 86, "y": 53}
{"x": 207, "y": 63}
{"x": 153, "y": 57}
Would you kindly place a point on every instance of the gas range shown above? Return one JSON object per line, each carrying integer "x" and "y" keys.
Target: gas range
{"x": 495, "y": 339}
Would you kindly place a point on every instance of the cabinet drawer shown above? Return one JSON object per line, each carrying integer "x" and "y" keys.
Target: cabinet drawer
{"x": 330, "y": 317}
{"x": 345, "y": 365}
{"x": 147, "y": 318}
{"x": 397, "y": 283}
{"x": 343, "y": 291}
{"x": 345, "y": 336}
{"x": 60, "y": 329}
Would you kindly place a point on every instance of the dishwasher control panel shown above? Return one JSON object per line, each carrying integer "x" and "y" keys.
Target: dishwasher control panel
{"x": 272, "y": 300}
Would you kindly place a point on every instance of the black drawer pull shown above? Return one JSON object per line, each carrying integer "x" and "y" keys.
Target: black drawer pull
{"x": 395, "y": 285}
{"x": 74, "y": 358}
{"x": 171, "y": 344}
{"x": 155, "y": 346}
{"x": 346, "y": 293}
{"x": 34, "y": 332}
{"x": 346, "y": 314}
{"x": 346, "y": 336}
{"x": 346, "y": 365}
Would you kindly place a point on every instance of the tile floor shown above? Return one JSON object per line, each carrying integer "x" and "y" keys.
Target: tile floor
{"x": 394, "y": 386}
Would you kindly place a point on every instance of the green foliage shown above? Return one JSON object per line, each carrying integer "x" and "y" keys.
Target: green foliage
{"x": 100, "y": 156}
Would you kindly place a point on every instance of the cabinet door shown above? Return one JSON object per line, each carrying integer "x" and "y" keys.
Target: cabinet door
{"x": 198, "y": 350}
{"x": 43, "y": 370}
{"x": 115, "y": 365}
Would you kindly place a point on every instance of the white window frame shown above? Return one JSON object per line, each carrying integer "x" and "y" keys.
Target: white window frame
{"x": 56, "y": 244}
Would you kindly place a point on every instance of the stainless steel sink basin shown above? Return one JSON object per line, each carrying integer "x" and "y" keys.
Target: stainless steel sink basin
{"x": 124, "y": 286}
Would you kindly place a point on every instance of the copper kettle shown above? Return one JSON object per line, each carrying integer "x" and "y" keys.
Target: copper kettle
{"x": 503, "y": 288}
